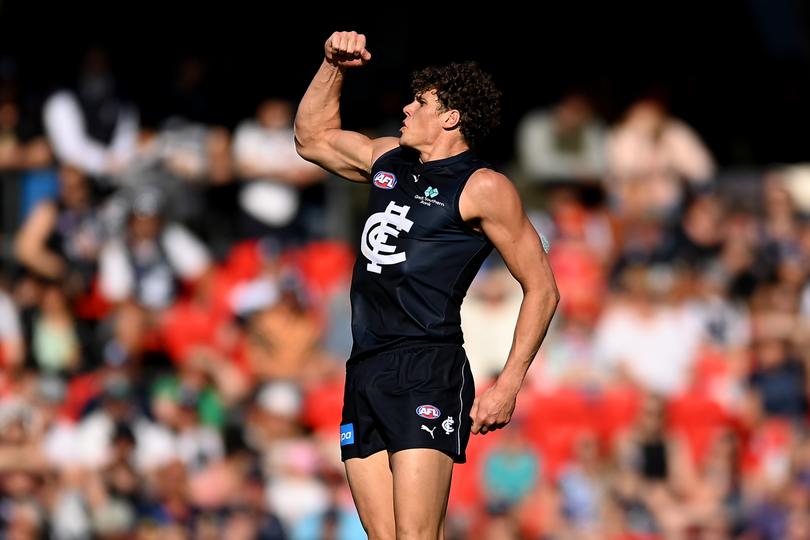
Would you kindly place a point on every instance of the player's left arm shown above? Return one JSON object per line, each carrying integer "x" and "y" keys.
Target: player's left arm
{"x": 490, "y": 199}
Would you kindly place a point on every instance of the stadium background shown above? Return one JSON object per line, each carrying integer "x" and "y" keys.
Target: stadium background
{"x": 661, "y": 150}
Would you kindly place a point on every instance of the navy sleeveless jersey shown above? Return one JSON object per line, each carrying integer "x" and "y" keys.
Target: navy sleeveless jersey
{"x": 417, "y": 256}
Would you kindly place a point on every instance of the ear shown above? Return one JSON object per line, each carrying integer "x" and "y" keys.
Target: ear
{"x": 451, "y": 118}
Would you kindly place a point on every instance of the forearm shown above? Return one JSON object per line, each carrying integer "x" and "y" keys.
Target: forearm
{"x": 43, "y": 262}
{"x": 535, "y": 315}
{"x": 319, "y": 109}
{"x": 302, "y": 174}
{"x": 22, "y": 458}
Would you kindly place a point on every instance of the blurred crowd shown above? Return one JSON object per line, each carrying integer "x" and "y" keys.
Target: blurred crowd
{"x": 174, "y": 322}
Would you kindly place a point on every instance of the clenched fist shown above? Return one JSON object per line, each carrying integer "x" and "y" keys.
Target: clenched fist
{"x": 493, "y": 409}
{"x": 346, "y": 49}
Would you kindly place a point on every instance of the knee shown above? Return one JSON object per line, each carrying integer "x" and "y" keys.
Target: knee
{"x": 379, "y": 532}
{"x": 416, "y": 531}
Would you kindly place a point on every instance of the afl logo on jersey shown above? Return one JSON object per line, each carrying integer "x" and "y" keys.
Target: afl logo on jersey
{"x": 385, "y": 180}
{"x": 428, "y": 411}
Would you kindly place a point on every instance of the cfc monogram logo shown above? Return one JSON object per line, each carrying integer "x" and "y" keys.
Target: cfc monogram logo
{"x": 374, "y": 244}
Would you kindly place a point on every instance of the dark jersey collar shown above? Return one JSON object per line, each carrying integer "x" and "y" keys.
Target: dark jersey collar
{"x": 444, "y": 162}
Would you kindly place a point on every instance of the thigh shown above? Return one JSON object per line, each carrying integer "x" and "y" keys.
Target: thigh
{"x": 371, "y": 482}
{"x": 360, "y": 435}
{"x": 421, "y": 488}
{"x": 423, "y": 399}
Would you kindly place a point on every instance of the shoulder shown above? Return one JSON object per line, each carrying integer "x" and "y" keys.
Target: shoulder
{"x": 113, "y": 257}
{"x": 489, "y": 185}
{"x": 61, "y": 94}
{"x": 47, "y": 206}
{"x": 382, "y": 146}
{"x": 59, "y": 100}
{"x": 487, "y": 193}
{"x": 178, "y": 236}
{"x": 246, "y": 129}
{"x": 677, "y": 131}
{"x": 46, "y": 211}
{"x": 488, "y": 179}
{"x": 536, "y": 118}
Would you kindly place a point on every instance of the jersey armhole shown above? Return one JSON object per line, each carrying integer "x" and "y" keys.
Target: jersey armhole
{"x": 457, "y": 211}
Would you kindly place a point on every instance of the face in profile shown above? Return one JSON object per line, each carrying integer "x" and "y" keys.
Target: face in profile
{"x": 423, "y": 123}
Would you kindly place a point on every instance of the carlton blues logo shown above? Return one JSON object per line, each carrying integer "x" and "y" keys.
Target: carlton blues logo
{"x": 379, "y": 229}
{"x": 385, "y": 180}
{"x": 431, "y": 412}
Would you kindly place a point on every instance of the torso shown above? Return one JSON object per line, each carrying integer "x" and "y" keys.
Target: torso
{"x": 418, "y": 255}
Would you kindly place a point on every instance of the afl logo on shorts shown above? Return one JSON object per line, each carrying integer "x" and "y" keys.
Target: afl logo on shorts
{"x": 385, "y": 180}
{"x": 428, "y": 411}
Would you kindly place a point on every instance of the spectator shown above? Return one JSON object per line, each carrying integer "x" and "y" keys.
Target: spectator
{"x": 511, "y": 470}
{"x": 90, "y": 126}
{"x": 651, "y": 156}
{"x": 61, "y": 239}
{"x": 562, "y": 144}
{"x": 22, "y": 144}
{"x": 55, "y": 343}
{"x": 265, "y": 156}
{"x": 147, "y": 261}
{"x": 779, "y": 381}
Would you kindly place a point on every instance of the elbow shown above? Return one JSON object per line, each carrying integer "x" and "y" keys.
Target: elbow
{"x": 553, "y": 297}
{"x": 304, "y": 130}
{"x": 302, "y": 147}
{"x": 311, "y": 138}
{"x": 311, "y": 147}
{"x": 545, "y": 294}
{"x": 22, "y": 250}
{"x": 304, "y": 142}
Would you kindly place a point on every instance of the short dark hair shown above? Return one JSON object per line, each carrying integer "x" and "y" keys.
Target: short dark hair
{"x": 467, "y": 88}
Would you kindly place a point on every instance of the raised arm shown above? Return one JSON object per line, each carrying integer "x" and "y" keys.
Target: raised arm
{"x": 318, "y": 134}
{"x": 491, "y": 199}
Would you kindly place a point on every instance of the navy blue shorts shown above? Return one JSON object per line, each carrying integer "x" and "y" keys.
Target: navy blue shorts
{"x": 411, "y": 397}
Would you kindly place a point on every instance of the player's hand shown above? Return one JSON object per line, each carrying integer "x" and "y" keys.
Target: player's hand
{"x": 492, "y": 409}
{"x": 346, "y": 49}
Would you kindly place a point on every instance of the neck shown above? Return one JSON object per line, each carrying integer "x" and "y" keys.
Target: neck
{"x": 441, "y": 150}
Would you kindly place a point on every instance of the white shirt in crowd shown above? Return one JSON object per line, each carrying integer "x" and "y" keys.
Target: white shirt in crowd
{"x": 657, "y": 349}
{"x": 87, "y": 444}
{"x": 9, "y": 319}
{"x": 187, "y": 256}
{"x": 67, "y": 133}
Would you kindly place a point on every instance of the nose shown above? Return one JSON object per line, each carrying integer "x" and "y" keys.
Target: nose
{"x": 408, "y": 108}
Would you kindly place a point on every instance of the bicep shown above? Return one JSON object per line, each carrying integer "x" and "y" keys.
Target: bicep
{"x": 505, "y": 223}
{"x": 346, "y": 153}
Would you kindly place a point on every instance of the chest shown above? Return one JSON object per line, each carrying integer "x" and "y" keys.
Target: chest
{"x": 415, "y": 202}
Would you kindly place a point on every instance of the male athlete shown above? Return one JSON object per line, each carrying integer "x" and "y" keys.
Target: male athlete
{"x": 435, "y": 211}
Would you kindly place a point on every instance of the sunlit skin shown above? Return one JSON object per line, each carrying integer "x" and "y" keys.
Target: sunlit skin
{"x": 425, "y": 121}
{"x": 403, "y": 494}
